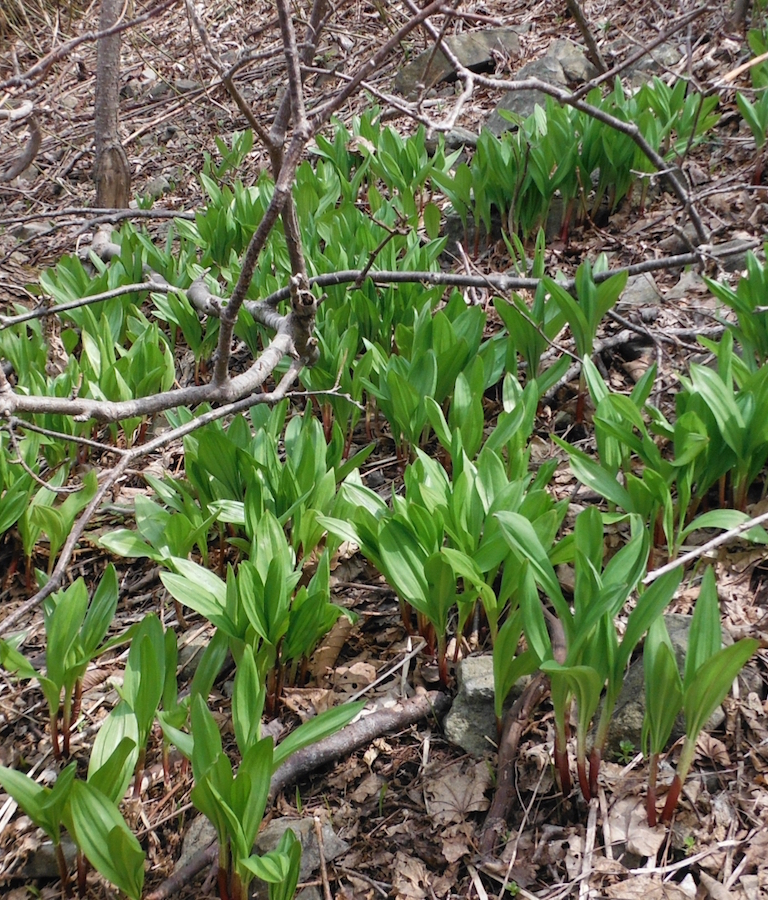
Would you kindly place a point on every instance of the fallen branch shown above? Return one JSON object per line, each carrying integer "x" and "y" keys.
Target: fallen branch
{"x": 330, "y": 749}
{"x": 515, "y": 723}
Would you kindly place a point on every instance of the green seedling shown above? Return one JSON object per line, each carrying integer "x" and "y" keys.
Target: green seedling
{"x": 663, "y": 702}
{"x": 585, "y": 311}
{"x": 592, "y": 656}
{"x": 45, "y": 806}
{"x": 709, "y": 672}
{"x": 235, "y": 803}
{"x": 75, "y": 630}
{"x": 57, "y": 521}
{"x": 89, "y": 812}
{"x": 259, "y": 605}
{"x": 736, "y": 420}
{"x": 748, "y": 302}
{"x": 143, "y": 684}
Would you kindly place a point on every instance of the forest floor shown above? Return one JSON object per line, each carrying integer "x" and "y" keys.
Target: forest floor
{"x": 410, "y": 806}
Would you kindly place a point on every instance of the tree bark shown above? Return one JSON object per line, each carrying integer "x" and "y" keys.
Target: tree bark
{"x": 112, "y": 173}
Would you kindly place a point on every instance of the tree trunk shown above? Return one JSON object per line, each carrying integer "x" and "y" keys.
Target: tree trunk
{"x": 112, "y": 173}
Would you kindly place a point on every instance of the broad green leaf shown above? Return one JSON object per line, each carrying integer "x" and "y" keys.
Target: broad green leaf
{"x": 328, "y": 722}
{"x": 663, "y": 688}
{"x": 105, "y": 839}
{"x": 705, "y": 636}
{"x": 522, "y": 538}
{"x": 247, "y": 701}
{"x": 712, "y": 682}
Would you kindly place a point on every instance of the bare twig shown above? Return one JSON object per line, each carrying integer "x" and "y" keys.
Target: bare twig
{"x": 725, "y": 538}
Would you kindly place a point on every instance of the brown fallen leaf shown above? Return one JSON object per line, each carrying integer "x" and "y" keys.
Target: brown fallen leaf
{"x": 629, "y": 825}
{"x": 645, "y": 887}
{"x": 456, "y": 792}
{"x": 410, "y": 878}
{"x": 324, "y": 658}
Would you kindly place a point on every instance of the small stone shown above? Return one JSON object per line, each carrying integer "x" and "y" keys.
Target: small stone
{"x": 159, "y": 90}
{"x": 523, "y": 102}
{"x": 732, "y": 255}
{"x": 185, "y": 85}
{"x": 42, "y": 862}
{"x": 30, "y": 230}
{"x": 198, "y": 835}
{"x": 475, "y": 50}
{"x": 471, "y": 722}
{"x": 641, "y": 290}
{"x": 157, "y": 187}
{"x": 573, "y": 59}
{"x": 304, "y": 829}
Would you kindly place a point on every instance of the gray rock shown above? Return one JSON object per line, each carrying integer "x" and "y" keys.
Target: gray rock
{"x": 576, "y": 67}
{"x": 201, "y": 833}
{"x": 185, "y": 85}
{"x": 455, "y": 138}
{"x": 30, "y": 230}
{"x": 654, "y": 63}
{"x": 159, "y": 90}
{"x": 41, "y": 863}
{"x": 523, "y": 102}
{"x": 641, "y": 290}
{"x": 198, "y": 835}
{"x": 475, "y": 50}
{"x": 304, "y": 829}
{"x": 732, "y": 255}
{"x": 157, "y": 187}
{"x": 471, "y": 722}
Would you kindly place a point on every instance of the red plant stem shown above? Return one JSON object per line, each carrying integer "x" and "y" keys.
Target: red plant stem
{"x": 82, "y": 871}
{"x": 55, "y": 735}
{"x": 563, "y": 771}
{"x": 672, "y": 799}
{"x": 66, "y": 725}
{"x": 223, "y": 886}
{"x": 580, "y": 405}
{"x": 77, "y": 700}
{"x": 650, "y": 799}
{"x": 66, "y": 886}
{"x": 595, "y": 758}
{"x": 581, "y": 768}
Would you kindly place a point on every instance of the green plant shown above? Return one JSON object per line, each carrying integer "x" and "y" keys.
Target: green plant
{"x": 665, "y": 492}
{"x": 57, "y": 521}
{"x": 235, "y": 803}
{"x": 259, "y": 605}
{"x": 755, "y": 113}
{"x": 736, "y": 420}
{"x": 748, "y": 302}
{"x": 708, "y": 675}
{"x": 143, "y": 684}
{"x": 45, "y": 806}
{"x": 626, "y": 752}
{"x": 444, "y": 529}
{"x": 586, "y": 310}
{"x": 88, "y": 810}
{"x": 592, "y": 657}
{"x": 75, "y": 630}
